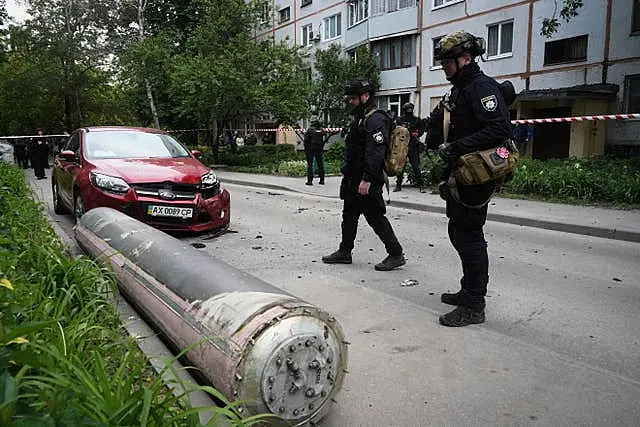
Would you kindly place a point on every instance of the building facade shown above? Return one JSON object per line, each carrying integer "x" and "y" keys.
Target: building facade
{"x": 590, "y": 66}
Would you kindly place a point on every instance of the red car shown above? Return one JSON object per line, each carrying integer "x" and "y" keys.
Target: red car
{"x": 145, "y": 173}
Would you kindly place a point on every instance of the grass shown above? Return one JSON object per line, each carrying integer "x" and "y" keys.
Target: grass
{"x": 65, "y": 359}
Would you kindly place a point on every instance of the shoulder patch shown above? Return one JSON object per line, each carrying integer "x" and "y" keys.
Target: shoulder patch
{"x": 489, "y": 103}
{"x": 378, "y": 137}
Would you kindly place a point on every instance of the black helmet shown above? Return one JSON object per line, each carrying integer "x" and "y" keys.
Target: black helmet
{"x": 455, "y": 44}
{"x": 359, "y": 86}
{"x": 407, "y": 106}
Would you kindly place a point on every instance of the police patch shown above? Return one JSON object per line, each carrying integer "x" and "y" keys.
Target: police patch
{"x": 489, "y": 103}
{"x": 378, "y": 137}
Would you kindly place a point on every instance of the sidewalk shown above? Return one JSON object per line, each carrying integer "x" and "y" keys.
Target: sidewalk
{"x": 598, "y": 222}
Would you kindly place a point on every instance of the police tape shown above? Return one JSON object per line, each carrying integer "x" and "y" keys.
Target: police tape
{"x": 579, "y": 118}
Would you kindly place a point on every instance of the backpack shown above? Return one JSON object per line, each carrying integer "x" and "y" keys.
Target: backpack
{"x": 397, "y": 151}
{"x": 317, "y": 140}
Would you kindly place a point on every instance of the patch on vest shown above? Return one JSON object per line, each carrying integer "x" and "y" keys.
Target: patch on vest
{"x": 378, "y": 137}
{"x": 489, "y": 103}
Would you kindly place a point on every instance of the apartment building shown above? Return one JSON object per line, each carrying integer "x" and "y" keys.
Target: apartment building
{"x": 590, "y": 66}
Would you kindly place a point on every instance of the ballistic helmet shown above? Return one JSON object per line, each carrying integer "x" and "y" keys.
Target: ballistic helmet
{"x": 408, "y": 107}
{"x": 359, "y": 86}
{"x": 455, "y": 44}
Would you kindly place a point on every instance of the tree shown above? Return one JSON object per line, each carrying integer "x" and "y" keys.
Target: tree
{"x": 333, "y": 70}
{"x": 568, "y": 11}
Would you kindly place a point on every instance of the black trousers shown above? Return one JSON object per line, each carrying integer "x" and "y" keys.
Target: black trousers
{"x": 373, "y": 208}
{"x": 414, "y": 161}
{"x": 317, "y": 155}
{"x": 467, "y": 237}
{"x": 38, "y": 164}
{"x": 23, "y": 160}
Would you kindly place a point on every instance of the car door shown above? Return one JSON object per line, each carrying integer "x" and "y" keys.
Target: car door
{"x": 67, "y": 168}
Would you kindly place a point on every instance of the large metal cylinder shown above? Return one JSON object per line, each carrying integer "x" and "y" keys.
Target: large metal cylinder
{"x": 265, "y": 347}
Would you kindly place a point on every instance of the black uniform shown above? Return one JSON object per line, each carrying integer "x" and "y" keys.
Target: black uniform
{"x": 20, "y": 152}
{"x": 414, "y": 125}
{"x": 314, "y": 150}
{"x": 39, "y": 151}
{"x": 479, "y": 120}
{"x": 365, "y": 147}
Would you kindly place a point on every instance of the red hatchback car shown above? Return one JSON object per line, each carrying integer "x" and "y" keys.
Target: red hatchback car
{"x": 145, "y": 173}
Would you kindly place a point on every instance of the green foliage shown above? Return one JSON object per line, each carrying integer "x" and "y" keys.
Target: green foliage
{"x": 261, "y": 155}
{"x": 599, "y": 180}
{"x": 568, "y": 11}
{"x": 335, "y": 152}
{"x": 334, "y": 70}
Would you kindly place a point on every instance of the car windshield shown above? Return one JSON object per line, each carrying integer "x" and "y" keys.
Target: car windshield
{"x": 129, "y": 144}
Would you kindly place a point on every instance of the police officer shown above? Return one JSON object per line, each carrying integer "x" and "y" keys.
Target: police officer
{"x": 479, "y": 119}
{"x": 414, "y": 125}
{"x": 39, "y": 151}
{"x": 314, "y": 140}
{"x": 20, "y": 152}
{"x": 366, "y": 144}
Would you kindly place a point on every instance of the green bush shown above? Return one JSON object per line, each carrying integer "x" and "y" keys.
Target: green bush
{"x": 335, "y": 152}
{"x": 260, "y": 155}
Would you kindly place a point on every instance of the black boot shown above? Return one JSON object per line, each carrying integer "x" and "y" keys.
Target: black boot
{"x": 308, "y": 183}
{"x": 453, "y": 299}
{"x": 463, "y": 316}
{"x": 391, "y": 262}
{"x": 338, "y": 257}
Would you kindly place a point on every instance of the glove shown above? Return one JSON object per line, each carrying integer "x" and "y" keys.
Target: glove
{"x": 445, "y": 152}
{"x": 443, "y": 190}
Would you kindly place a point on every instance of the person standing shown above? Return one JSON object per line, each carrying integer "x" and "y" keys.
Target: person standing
{"x": 39, "y": 155}
{"x": 20, "y": 152}
{"x": 314, "y": 140}
{"x": 479, "y": 119}
{"x": 414, "y": 124}
{"x": 366, "y": 144}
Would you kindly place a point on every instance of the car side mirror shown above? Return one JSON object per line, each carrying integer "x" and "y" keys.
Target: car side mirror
{"x": 67, "y": 155}
{"x": 196, "y": 153}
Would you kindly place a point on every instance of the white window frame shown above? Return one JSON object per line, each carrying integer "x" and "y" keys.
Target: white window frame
{"x": 445, "y": 3}
{"x": 281, "y": 11}
{"x": 326, "y": 21}
{"x": 498, "y": 48}
{"x": 306, "y": 30}
{"x": 435, "y": 66}
{"x": 359, "y": 8}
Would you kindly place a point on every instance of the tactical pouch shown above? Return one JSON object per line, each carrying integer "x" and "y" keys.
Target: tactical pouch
{"x": 485, "y": 166}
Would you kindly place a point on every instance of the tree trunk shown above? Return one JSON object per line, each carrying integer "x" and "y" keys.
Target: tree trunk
{"x": 154, "y": 112}
{"x": 142, "y": 5}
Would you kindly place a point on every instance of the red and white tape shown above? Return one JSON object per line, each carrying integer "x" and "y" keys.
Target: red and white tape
{"x": 579, "y": 118}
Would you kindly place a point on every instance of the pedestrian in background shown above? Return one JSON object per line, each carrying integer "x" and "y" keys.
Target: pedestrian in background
{"x": 414, "y": 124}
{"x": 366, "y": 144}
{"x": 479, "y": 119}
{"x": 39, "y": 155}
{"x": 314, "y": 140}
{"x": 20, "y": 153}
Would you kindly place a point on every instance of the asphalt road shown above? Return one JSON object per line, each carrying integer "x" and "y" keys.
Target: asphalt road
{"x": 560, "y": 346}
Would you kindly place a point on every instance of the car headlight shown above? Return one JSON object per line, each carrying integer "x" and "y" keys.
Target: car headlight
{"x": 109, "y": 183}
{"x": 209, "y": 179}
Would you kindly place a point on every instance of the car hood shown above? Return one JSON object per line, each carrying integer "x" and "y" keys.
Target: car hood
{"x": 179, "y": 170}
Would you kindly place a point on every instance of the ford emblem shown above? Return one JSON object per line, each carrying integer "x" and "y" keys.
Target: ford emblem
{"x": 166, "y": 194}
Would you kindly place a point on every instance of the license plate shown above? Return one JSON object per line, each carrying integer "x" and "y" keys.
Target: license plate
{"x": 169, "y": 211}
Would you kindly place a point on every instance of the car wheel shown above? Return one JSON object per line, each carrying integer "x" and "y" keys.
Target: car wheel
{"x": 57, "y": 204}
{"x": 78, "y": 207}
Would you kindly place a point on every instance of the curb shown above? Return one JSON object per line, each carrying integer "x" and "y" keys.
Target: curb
{"x": 585, "y": 230}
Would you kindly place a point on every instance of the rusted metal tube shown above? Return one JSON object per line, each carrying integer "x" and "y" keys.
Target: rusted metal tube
{"x": 258, "y": 344}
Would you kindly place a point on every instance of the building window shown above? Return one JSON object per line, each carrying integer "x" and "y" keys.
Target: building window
{"x": 434, "y": 62}
{"x": 396, "y": 102}
{"x": 307, "y": 35}
{"x": 379, "y": 7}
{"x": 333, "y": 27}
{"x": 500, "y": 39}
{"x": 635, "y": 21}
{"x": 358, "y": 11}
{"x": 284, "y": 15}
{"x": 265, "y": 14}
{"x": 442, "y": 3}
{"x": 304, "y": 3}
{"x": 632, "y": 93}
{"x": 573, "y": 49}
{"x": 398, "y": 52}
